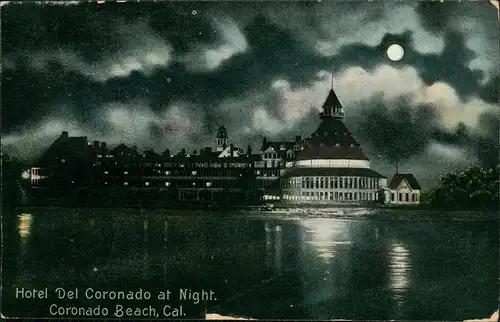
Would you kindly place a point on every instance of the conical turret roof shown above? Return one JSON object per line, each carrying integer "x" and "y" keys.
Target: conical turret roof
{"x": 332, "y": 100}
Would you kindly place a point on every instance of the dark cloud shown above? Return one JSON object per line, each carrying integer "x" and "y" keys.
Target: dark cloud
{"x": 490, "y": 92}
{"x": 436, "y": 16}
{"x": 397, "y": 132}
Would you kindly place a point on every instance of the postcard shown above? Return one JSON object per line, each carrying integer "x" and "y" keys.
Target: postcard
{"x": 264, "y": 160}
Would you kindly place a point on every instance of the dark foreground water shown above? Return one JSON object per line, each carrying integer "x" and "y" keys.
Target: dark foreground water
{"x": 293, "y": 264}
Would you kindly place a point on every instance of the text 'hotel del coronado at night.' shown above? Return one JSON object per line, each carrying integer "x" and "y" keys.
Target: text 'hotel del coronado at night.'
{"x": 328, "y": 168}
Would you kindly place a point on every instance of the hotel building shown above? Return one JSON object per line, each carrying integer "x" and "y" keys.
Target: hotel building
{"x": 327, "y": 168}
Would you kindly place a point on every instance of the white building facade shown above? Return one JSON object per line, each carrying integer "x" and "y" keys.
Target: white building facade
{"x": 330, "y": 167}
{"x": 403, "y": 189}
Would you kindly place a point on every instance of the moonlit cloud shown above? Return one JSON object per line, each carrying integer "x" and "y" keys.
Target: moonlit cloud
{"x": 333, "y": 31}
{"x": 177, "y": 126}
{"x": 210, "y": 57}
{"x": 143, "y": 52}
{"x": 32, "y": 142}
{"x": 481, "y": 41}
{"x": 329, "y": 32}
{"x": 266, "y": 124}
{"x": 357, "y": 85}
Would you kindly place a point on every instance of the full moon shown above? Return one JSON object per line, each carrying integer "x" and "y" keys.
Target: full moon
{"x": 395, "y": 52}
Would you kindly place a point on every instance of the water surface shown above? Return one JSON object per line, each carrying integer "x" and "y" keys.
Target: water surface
{"x": 307, "y": 264}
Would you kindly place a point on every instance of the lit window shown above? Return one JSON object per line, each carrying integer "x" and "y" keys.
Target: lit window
{"x": 167, "y": 173}
{"x": 258, "y": 172}
{"x": 63, "y": 161}
{"x": 194, "y": 173}
{"x": 147, "y": 183}
{"x": 167, "y": 184}
{"x": 125, "y": 172}
{"x": 105, "y": 172}
{"x": 125, "y": 183}
{"x": 208, "y": 184}
{"x": 25, "y": 175}
{"x": 106, "y": 182}
{"x": 194, "y": 184}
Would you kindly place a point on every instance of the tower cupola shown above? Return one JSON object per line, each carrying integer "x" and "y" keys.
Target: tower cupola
{"x": 222, "y": 140}
{"x": 332, "y": 107}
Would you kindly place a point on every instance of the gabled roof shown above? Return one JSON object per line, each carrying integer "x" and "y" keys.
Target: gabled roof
{"x": 398, "y": 177}
{"x": 277, "y": 145}
{"x": 283, "y": 154}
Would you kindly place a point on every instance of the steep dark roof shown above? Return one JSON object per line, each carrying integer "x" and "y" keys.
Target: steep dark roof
{"x": 332, "y": 140}
{"x": 332, "y": 100}
{"x": 347, "y": 172}
{"x": 74, "y": 148}
{"x": 398, "y": 177}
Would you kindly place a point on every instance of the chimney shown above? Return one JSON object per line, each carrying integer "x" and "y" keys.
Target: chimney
{"x": 95, "y": 144}
{"x": 249, "y": 149}
{"x": 103, "y": 145}
{"x": 183, "y": 151}
{"x": 64, "y": 135}
{"x": 298, "y": 138}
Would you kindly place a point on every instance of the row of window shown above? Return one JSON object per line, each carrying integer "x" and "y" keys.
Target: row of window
{"x": 405, "y": 197}
{"x": 274, "y": 155}
{"x": 335, "y": 196}
{"x": 331, "y": 183}
{"x": 197, "y": 165}
{"x": 210, "y": 173}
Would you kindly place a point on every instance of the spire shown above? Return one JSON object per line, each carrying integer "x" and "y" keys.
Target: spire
{"x": 333, "y": 71}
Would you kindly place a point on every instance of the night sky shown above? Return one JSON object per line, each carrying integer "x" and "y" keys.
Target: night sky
{"x": 166, "y": 75}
